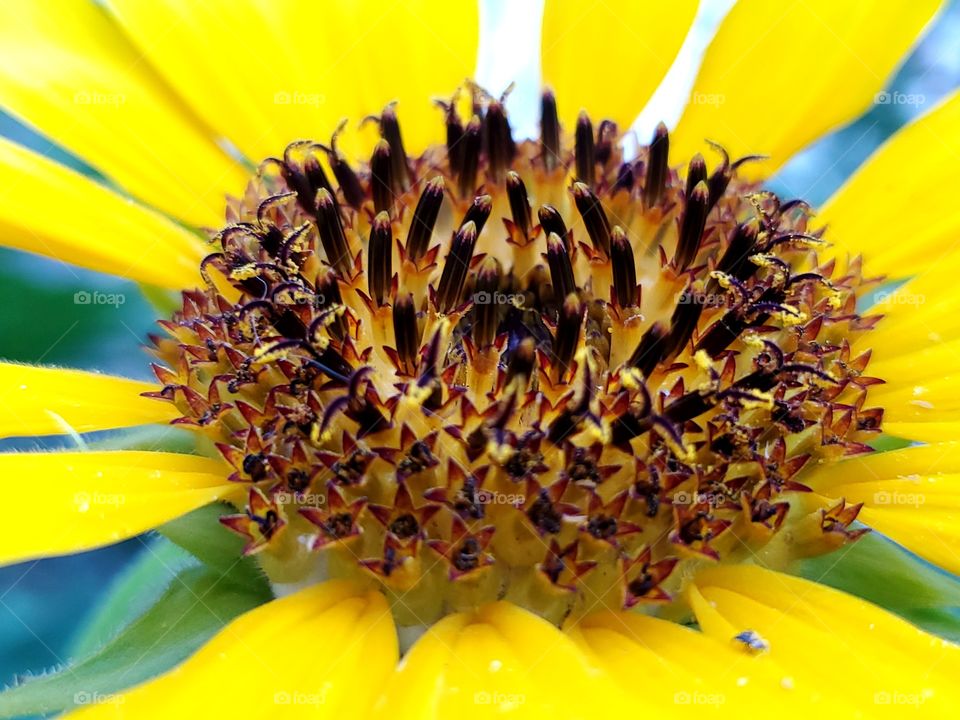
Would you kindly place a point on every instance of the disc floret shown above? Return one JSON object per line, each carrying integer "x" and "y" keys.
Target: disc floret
{"x": 533, "y": 370}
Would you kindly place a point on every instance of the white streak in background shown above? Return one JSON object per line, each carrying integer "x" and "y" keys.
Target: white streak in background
{"x": 671, "y": 96}
{"x": 510, "y": 52}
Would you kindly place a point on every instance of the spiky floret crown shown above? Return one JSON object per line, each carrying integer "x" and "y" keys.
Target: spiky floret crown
{"x": 534, "y": 370}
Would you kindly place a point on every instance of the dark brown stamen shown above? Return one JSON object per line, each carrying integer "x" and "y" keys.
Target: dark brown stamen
{"x": 650, "y": 350}
{"x": 454, "y": 137}
{"x": 561, "y": 269}
{"x": 381, "y": 177}
{"x": 314, "y": 171}
{"x": 683, "y": 322}
{"x": 390, "y": 131}
{"x": 736, "y": 259}
{"x": 470, "y": 157}
{"x": 485, "y": 303}
{"x": 552, "y": 222}
{"x": 478, "y": 212}
{"x": 330, "y": 230}
{"x": 594, "y": 218}
{"x": 692, "y": 226}
{"x": 549, "y": 132}
{"x": 425, "y": 219}
{"x": 568, "y": 333}
{"x": 585, "y": 158}
{"x": 328, "y": 296}
{"x": 406, "y": 333}
{"x": 606, "y": 141}
{"x": 519, "y": 204}
{"x": 658, "y": 158}
{"x": 500, "y": 146}
{"x": 380, "y": 258}
{"x": 455, "y": 266}
{"x": 696, "y": 173}
{"x": 522, "y": 362}
{"x": 624, "y": 268}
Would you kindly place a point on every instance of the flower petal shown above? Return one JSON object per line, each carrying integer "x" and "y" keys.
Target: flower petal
{"x": 46, "y": 208}
{"x": 268, "y": 72}
{"x": 66, "y": 502}
{"x": 861, "y": 656}
{"x": 914, "y": 170}
{"x": 684, "y": 671}
{"x": 50, "y": 401}
{"x": 500, "y": 659}
{"x": 639, "y": 41}
{"x": 323, "y": 652}
{"x": 911, "y": 495}
{"x": 777, "y": 76}
{"x": 67, "y": 69}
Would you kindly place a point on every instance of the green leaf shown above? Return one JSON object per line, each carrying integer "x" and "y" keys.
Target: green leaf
{"x": 201, "y": 534}
{"x": 132, "y": 593}
{"x": 167, "y": 438}
{"x": 198, "y": 602}
{"x": 877, "y": 569}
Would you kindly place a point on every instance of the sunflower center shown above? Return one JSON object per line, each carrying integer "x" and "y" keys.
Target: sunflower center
{"x": 532, "y": 370}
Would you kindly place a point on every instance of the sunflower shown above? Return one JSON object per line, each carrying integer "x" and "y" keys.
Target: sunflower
{"x": 510, "y": 425}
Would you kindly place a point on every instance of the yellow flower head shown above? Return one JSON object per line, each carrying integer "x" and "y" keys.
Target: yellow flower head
{"x": 500, "y": 417}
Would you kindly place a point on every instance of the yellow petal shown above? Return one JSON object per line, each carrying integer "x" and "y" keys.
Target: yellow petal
{"x": 916, "y": 365}
{"x": 51, "y": 401}
{"x": 499, "y": 660}
{"x": 932, "y": 400}
{"x": 911, "y": 495}
{"x": 67, "y": 69}
{"x": 66, "y": 502}
{"x": 684, "y": 672}
{"x": 779, "y": 75}
{"x": 609, "y": 57}
{"x": 267, "y": 72}
{"x": 919, "y": 222}
{"x": 923, "y": 431}
{"x": 873, "y": 660}
{"x": 323, "y": 652}
{"x": 46, "y": 208}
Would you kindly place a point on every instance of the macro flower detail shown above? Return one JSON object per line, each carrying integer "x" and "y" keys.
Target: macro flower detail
{"x": 634, "y": 390}
{"x": 499, "y": 422}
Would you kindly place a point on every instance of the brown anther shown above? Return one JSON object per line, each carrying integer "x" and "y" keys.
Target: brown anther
{"x": 658, "y": 158}
{"x": 380, "y": 258}
{"x": 455, "y": 266}
{"x": 585, "y": 159}
{"x": 424, "y": 219}
{"x": 549, "y": 132}
{"x": 594, "y": 218}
